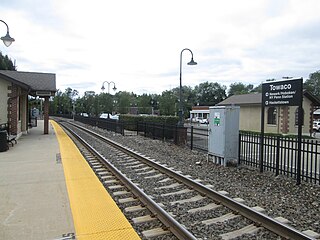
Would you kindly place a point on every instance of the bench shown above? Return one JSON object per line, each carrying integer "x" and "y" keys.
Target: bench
{"x": 10, "y": 138}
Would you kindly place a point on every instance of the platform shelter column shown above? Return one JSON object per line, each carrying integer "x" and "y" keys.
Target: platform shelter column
{"x": 46, "y": 115}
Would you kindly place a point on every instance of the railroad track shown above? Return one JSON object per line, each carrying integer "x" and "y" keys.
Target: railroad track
{"x": 161, "y": 202}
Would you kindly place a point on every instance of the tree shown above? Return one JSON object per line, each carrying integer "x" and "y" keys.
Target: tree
{"x": 144, "y": 103}
{"x": 313, "y": 84}
{"x": 167, "y": 103}
{"x": 257, "y": 89}
{"x": 124, "y": 101}
{"x": 209, "y": 94}
{"x": 105, "y": 102}
{"x": 6, "y": 63}
{"x": 63, "y": 101}
{"x": 239, "y": 88}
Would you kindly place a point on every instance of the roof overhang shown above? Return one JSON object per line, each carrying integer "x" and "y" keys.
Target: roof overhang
{"x": 37, "y": 84}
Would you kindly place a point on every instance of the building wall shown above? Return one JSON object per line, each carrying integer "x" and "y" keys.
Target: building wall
{"x": 307, "y": 117}
{"x": 13, "y": 110}
{"x": 13, "y": 107}
{"x": 3, "y": 101}
{"x": 24, "y": 111}
{"x": 250, "y": 119}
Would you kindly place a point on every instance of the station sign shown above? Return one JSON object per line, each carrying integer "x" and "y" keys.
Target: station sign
{"x": 282, "y": 92}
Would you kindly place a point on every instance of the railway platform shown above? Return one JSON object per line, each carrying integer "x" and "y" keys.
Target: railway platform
{"x": 48, "y": 191}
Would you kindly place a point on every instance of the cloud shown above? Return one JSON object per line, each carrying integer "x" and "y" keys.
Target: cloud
{"x": 137, "y": 44}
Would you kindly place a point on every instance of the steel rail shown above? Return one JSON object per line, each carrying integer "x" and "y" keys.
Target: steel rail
{"x": 175, "y": 227}
{"x": 260, "y": 219}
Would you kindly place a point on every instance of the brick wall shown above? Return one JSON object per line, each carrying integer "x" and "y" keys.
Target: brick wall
{"x": 13, "y": 108}
{"x": 284, "y": 119}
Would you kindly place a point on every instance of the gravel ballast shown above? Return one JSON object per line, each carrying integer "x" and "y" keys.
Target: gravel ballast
{"x": 278, "y": 195}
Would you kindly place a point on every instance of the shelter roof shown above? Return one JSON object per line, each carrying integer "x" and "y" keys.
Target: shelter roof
{"x": 34, "y": 81}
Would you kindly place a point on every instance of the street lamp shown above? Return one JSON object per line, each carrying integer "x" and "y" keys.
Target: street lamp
{"x": 180, "y": 123}
{"x": 7, "y": 40}
{"x": 114, "y": 86}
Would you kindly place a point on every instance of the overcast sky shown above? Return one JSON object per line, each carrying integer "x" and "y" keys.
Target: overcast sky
{"x": 137, "y": 44}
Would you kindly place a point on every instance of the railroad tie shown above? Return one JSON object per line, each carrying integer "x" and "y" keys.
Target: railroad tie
{"x": 165, "y": 180}
{"x": 145, "y": 173}
{"x": 174, "y": 185}
{"x": 222, "y": 218}
{"x": 134, "y": 208}
{"x": 154, "y": 232}
{"x": 250, "y": 229}
{"x": 143, "y": 219}
{"x": 210, "y": 206}
{"x": 177, "y": 193}
{"x": 188, "y": 200}
{"x": 154, "y": 176}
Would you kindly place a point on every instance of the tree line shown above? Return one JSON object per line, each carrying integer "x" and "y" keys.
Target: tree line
{"x": 166, "y": 103}
{"x": 123, "y": 102}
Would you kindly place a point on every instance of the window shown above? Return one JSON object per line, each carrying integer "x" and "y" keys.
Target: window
{"x": 272, "y": 115}
{"x": 296, "y": 117}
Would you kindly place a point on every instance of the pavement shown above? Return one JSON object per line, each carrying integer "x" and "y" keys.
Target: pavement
{"x": 34, "y": 200}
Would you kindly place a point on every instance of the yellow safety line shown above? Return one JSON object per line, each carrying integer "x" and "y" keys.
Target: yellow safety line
{"x": 95, "y": 214}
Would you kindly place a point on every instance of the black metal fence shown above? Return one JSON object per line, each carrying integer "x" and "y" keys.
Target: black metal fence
{"x": 281, "y": 155}
{"x": 107, "y": 124}
{"x": 156, "y": 130}
{"x": 197, "y": 138}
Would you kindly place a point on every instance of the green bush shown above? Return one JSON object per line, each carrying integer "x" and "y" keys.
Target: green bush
{"x": 130, "y": 121}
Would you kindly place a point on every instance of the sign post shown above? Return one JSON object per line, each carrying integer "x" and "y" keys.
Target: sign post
{"x": 287, "y": 92}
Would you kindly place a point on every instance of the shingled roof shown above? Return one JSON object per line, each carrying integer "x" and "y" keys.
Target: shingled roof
{"x": 34, "y": 81}
{"x": 243, "y": 99}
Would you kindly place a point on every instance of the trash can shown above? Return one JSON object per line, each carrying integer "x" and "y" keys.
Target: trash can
{"x": 3, "y": 141}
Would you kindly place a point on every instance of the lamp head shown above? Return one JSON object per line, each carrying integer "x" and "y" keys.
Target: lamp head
{"x": 7, "y": 40}
{"x": 114, "y": 88}
{"x": 102, "y": 88}
{"x": 192, "y": 62}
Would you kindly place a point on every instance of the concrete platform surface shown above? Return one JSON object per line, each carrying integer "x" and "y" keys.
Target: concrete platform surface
{"x": 34, "y": 201}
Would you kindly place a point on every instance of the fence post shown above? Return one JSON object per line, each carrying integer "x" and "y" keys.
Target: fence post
{"x": 163, "y": 132}
{"x": 191, "y": 145}
{"x": 239, "y": 149}
{"x": 176, "y": 135}
{"x": 122, "y": 128}
{"x": 278, "y": 156}
{"x": 153, "y": 130}
{"x": 145, "y": 129}
{"x": 137, "y": 128}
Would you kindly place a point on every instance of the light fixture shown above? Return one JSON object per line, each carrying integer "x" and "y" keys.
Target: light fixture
{"x": 114, "y": 86}
{"x": 192, "y": 62}
{"x": 7, "y": 40}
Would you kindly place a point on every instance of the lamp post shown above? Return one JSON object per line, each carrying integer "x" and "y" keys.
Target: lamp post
{"x": 180, "y": 123}
{"x": 114, "y": 86}
{"x": 7, "y": 40}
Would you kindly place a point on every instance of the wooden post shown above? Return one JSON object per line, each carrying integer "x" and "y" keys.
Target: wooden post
{"x": 46, "y": 115}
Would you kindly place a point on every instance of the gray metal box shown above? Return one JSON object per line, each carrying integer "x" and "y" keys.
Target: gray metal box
{"x": 224, "y": 134}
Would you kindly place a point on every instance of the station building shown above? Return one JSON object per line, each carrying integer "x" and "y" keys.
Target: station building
{"x": 280, "y": 119}
{"x": 16, "y": 88}
{"x": 199, "y": 113}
